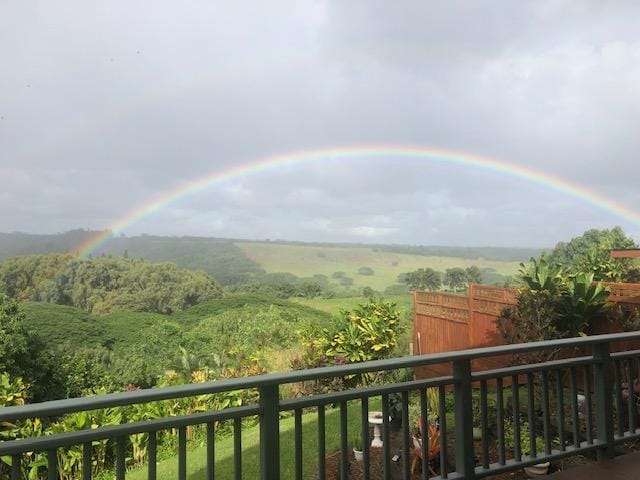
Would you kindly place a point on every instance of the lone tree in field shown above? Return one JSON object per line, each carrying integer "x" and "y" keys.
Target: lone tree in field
{"x": 422, "y": 279}
{"x": 473, "y": 274}
{"x": 455, "y": 278}
{"x": 365, "y": 271}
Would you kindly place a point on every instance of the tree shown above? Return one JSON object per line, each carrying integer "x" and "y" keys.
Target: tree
{"x": 24, "y": 354}
{"x": 590, "y": 252}
{"x": 455, "y": 278}
{"x": 368, "y": 292}
{"x": 106, "y": 284}
{"x": 365, "y": 271}
{"x": 422, "y": 279}
{"x": 473, "y": 274}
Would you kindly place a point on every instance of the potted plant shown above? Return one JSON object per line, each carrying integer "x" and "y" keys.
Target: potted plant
{"x": 357, "y": 447}
{"x": 533, "y": 471}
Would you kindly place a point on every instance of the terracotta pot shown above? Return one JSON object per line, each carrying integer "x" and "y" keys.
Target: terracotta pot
{"x": 537, "y": 470}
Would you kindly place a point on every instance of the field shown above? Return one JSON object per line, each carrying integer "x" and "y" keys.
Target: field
{"x": 307, "y": 260}
{"x": 334, "y": 305}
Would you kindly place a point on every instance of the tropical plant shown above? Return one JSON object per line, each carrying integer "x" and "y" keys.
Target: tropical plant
{"x": 582, "y": 300}
{"x": 541, "y": 275}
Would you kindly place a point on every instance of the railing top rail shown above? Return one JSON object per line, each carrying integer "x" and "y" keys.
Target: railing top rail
{"x": 58, "y": 407}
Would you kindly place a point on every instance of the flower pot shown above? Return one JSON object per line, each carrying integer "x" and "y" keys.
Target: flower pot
{"x": 537, "y": 470}
{"x": 357, "y": 454}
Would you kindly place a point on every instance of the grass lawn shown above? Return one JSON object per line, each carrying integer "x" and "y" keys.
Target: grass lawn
{"x": 333, "y": 305}
{"x": 307, "y": 260}
{"x": 196, "y": 460}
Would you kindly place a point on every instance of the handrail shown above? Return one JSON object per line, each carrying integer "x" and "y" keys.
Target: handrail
{"x": 58, "y": 407}
{"x": 68, "y": 439}
{"x": 603, "y": 376}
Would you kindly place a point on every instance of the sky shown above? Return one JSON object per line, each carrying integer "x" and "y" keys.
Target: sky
{"x": 106, "y": 105}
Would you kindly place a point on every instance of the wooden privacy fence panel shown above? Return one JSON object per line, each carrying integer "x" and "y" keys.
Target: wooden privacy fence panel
{"x": 446, "y": 322}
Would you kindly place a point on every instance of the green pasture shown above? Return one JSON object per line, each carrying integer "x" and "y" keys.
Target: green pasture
{"x": 307, "y": 260}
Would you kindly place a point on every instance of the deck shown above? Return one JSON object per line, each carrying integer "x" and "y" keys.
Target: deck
{"x": 625, "y": 467}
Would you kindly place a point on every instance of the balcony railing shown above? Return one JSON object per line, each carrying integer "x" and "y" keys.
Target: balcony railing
{"x": 581, "y": 398}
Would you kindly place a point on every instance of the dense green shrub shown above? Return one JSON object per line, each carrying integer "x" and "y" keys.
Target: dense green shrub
{"x": 365, "y": 271}
{"x": 552, "y": 304}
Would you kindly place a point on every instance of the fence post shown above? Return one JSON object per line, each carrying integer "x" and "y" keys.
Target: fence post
{"x": 603, "y": 383}
{"x": 269, "y": 432}
{"x": 465, "y": 457}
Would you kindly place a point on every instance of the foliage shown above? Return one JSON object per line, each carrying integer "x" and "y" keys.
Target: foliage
{"x": 542, "y": 275}
{"x": 455, "y": 278}
{"x": 590, "y": 252}
{"x": 106, "y": 284}
{"x": 23, "y": 278}
{"x": 365, "y": 271}
{"x": 473, "y": 274}
{"x": 525, "y": 439}
{"x": 24, "y": 354}
{"x": 368, "y": 292}
{"x": 422, "y": 279}
{"x": 581, "y": 300}
{"x": 368, "y": 332}
{"x": 552, "y": 304}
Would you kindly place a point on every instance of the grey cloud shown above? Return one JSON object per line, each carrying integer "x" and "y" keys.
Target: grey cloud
{"x": 105, "y": 106}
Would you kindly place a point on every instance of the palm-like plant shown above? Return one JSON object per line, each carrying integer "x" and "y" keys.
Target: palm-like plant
{"x": 583, "y": 300}
{"x": 541, "y": 275}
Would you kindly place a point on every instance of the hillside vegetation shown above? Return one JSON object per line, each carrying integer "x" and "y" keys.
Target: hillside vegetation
{"x": 106, "y": 284}
{"x": 139, "y": 346}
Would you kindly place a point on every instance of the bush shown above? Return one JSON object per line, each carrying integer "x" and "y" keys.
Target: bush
{"x": 365, "y": 271}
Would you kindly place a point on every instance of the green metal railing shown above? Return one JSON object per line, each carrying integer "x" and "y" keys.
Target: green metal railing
{"x": 603, "y": 415}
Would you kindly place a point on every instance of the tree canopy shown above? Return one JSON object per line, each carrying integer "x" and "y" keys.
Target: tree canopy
{"x": 105, "y": 284}
{"x": 590, "y": 252}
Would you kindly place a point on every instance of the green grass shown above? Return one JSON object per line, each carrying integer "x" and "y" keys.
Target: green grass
{"x": 306, "y": 261}
{"x": 334, "y": 305}
{"x": 196, "y": 459}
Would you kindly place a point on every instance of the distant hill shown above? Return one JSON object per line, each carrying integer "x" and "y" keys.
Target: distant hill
{"x": 233, "y": 261}
{"x": 218, "y": 257}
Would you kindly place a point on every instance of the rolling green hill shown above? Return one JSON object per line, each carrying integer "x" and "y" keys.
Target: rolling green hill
{"x": 142, "y": 345}
{"x": 307, "y": 260}
{"x": 120, "y": 331}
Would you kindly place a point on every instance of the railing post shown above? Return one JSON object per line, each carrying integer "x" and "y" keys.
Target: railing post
{"x": 269, "y": 432}
{"x": 465, "y": 457}
{"x": 603, "y": 384}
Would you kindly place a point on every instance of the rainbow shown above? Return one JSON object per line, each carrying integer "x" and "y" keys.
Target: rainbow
{"x": 377, "y": 151}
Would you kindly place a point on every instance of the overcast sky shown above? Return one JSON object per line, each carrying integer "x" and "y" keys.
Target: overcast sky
{"x": 104, "y": 105}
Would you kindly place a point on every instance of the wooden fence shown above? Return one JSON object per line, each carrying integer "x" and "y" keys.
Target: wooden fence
{"x": 446, "y": 322}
